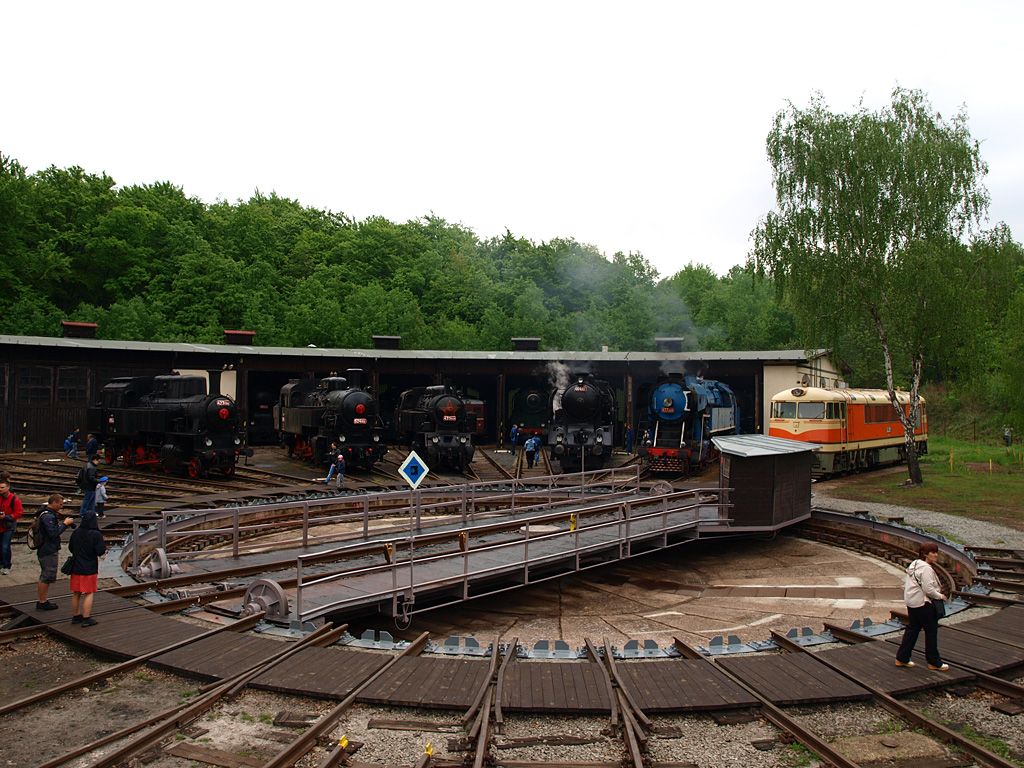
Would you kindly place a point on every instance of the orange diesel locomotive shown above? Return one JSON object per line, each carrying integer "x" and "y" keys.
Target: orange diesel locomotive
{"x": 856, "y": 428}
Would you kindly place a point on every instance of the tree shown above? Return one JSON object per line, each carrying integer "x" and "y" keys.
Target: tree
{"x": 870, "y": 208}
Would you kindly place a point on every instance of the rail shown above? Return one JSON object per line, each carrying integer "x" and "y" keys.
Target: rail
{"x": 175, "y": 526}
{"x": 525, "y": 545}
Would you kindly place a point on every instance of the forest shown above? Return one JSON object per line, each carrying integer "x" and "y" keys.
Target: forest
{"x": 147, "y": 262}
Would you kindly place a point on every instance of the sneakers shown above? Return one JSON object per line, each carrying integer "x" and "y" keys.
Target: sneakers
{"x": 4, "y": 571}
{"x": 47, "y": 606}
{"x": 76, "y": 619}
{"x": 940, "y": 668}
{"x": 904, "y": 663}
{"x": 89, "y": 622}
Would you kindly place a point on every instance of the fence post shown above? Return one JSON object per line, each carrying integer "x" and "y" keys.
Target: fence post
{"x": 162, "y": 537}
{"x": 234, "y": 533}
{"x": 305, "y": 524}
{"x": 298, "y": 589}
{"x": 135, "y": 543}
{"x": 366, "y": 517}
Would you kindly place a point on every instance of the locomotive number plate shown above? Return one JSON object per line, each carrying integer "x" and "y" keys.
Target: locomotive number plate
{"x": 449, "y": 418}
{"x": 359, "y": 420}
{"x": 668, "y": 410}
{"x": 223, "y": 402}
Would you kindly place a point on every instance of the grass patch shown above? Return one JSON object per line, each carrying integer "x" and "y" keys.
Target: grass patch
{"x": 992, "y": 744}
{"x": 966, "y": 487}
{"x": 798, "y": 756}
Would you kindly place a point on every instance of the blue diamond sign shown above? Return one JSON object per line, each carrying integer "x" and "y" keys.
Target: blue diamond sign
{"x": 413, "y": 470}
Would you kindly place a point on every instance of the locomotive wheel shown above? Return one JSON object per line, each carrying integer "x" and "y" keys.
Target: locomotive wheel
{"x": 108, "y": 455}
{"x": 195, "y": 468}
{"x": 228, "y": 470}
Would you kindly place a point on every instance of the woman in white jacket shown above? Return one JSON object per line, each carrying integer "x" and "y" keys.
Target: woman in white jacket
{"x": 921, "y": 587}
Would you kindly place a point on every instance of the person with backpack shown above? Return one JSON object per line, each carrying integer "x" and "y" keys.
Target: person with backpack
{"x": 86, "y": 546}
{"x": 46, "y": 531}
{"x": 88, "y": 479}
{"x": 10, "y": 511}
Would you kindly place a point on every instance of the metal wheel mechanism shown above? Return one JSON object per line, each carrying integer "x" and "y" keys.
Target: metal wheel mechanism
{"x": 195, "y": 468}
{"x": 158, "y": 567}
{"x": 265, "y": 595}
{"x": 228, "y": 470}
{"x": 108, "y": 455}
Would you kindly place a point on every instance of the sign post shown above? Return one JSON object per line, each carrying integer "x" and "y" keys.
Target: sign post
{"x": 414, "y": 471}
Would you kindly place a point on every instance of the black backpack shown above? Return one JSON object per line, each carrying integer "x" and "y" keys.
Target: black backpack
{"x": 36, "y": 535}
{"x": 80, "y": 478}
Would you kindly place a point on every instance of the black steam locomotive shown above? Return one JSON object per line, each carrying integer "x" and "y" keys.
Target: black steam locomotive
{"x": 170, "y": 422}
{"x": 311, "y": 415}
{"x": 433, "y": 421}
{"x": 530, "y": 412}
{"x": 582, "y": 427}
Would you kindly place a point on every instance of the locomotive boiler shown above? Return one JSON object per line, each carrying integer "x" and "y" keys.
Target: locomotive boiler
{"x": 168, "y": 421}
{"x": 582, "y": 425}
{"x": 434, "y": 422}
{"x": 312, "y": 416}
{"x": 683, "y": 414}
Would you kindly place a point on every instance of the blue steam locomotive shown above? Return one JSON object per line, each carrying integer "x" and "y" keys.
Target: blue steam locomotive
{"x": 683, "y": 413}
{"x": 583, "y": 423}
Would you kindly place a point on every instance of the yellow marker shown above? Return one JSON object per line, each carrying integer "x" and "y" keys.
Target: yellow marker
{"x": 990, "y": 466}
{"x": 572, "y": 522}
{"x": 429, "y": 749}
{"x": 343, "y": 742}
{"x": 389, "y": 550}
{"x": 463, "y": 540}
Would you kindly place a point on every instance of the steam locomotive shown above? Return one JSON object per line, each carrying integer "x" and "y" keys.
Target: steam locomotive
{"x": 531, "y": 411}
{"x": 582, "y": 424}
{"x": 434, "y": 422}
{"x": 170, "y": 422}
{"x": 683, "y": 413}
{"x": 311, "y": 415}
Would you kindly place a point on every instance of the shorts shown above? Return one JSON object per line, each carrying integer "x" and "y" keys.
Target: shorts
{"x": 84, "y": 585}
{"x": 48, "y": 568}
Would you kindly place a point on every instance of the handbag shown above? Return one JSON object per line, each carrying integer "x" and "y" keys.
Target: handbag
{"x": 940, "y": 608}
{"x": 66, "y": 568}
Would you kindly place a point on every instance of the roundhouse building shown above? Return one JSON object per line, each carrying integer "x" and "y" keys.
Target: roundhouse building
{"x": 47, "y": 383}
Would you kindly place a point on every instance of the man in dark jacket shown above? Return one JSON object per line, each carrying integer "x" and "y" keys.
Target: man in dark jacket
{"x": 49, "y": 551}
{"x": 90, "y": 479}
{"x": 92, "y": 446}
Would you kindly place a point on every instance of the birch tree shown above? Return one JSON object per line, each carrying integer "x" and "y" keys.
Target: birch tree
{"x": 872, "y": 209}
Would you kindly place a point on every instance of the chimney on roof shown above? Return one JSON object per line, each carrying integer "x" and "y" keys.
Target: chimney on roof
{"x": 526, "y": 343}
{"x": 73, "y": 330}
{"x": 668, "y": 343}
{"x": 243, "y": 338}
{"x": 386, "y": 342}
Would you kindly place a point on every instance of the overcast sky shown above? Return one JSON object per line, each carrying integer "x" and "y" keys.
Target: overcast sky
{"x": 630, "y": 126}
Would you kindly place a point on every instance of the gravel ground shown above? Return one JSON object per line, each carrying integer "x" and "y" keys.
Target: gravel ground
{"x": 976, "y": 532}
{"x": 522, "y": 726}
{"x": 707, "y": 744}
{"x": 974, "y": 712}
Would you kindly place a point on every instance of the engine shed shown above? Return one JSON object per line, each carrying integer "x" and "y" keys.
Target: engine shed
{"x": 47, "y": 383}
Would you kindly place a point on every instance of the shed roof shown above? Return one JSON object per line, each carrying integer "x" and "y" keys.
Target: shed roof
{"x": 769, "y": 356}
{"x": 760, "y": 445}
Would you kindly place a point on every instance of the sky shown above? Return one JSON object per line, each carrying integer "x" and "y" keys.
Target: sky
{"x": 633, "y": 127}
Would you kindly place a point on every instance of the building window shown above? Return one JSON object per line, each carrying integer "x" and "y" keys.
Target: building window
{"x": 72, "y": 385}
{"x": 35, "y": 384}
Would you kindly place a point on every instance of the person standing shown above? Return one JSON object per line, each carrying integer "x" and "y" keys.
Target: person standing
{"x": 92, "y": 446}
{"x": 101, "y": 496}
{"x": 531, "y": 450}
{"x": 49, "y": 551}
{"x": 86, "y": 546}
{"x": 513, "y": 436}
{"x": 339, "y": 470}
{"x": 629, "y": 438}
{"x": 10, "y": 512}
{"x": 71, "y": 445}
{"x": 88, "y": 479}
{"x": 920, "y": 588}
{"x": 333, "y": 456}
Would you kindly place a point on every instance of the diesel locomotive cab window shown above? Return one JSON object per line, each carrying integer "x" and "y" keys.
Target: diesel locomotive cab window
{"x": 783, "y": 410}
{"x": 812, "y": 410}
{"x": 835, "y": 411}
{"x": 35, "y": 384}
{"x": 72, "y": 384}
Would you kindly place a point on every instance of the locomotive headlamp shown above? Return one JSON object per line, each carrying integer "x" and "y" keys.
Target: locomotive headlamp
{"x": 238, "y": 441}
{"x": 341, "y": 438}
{"x": 599, "y": 438}
{"x": 376, "y": 438}
{"x": 435, "y": 439}
{"x": 208, "y": 442}
{"x": 462, "y": 439}
{"x": 559, "y": 437}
